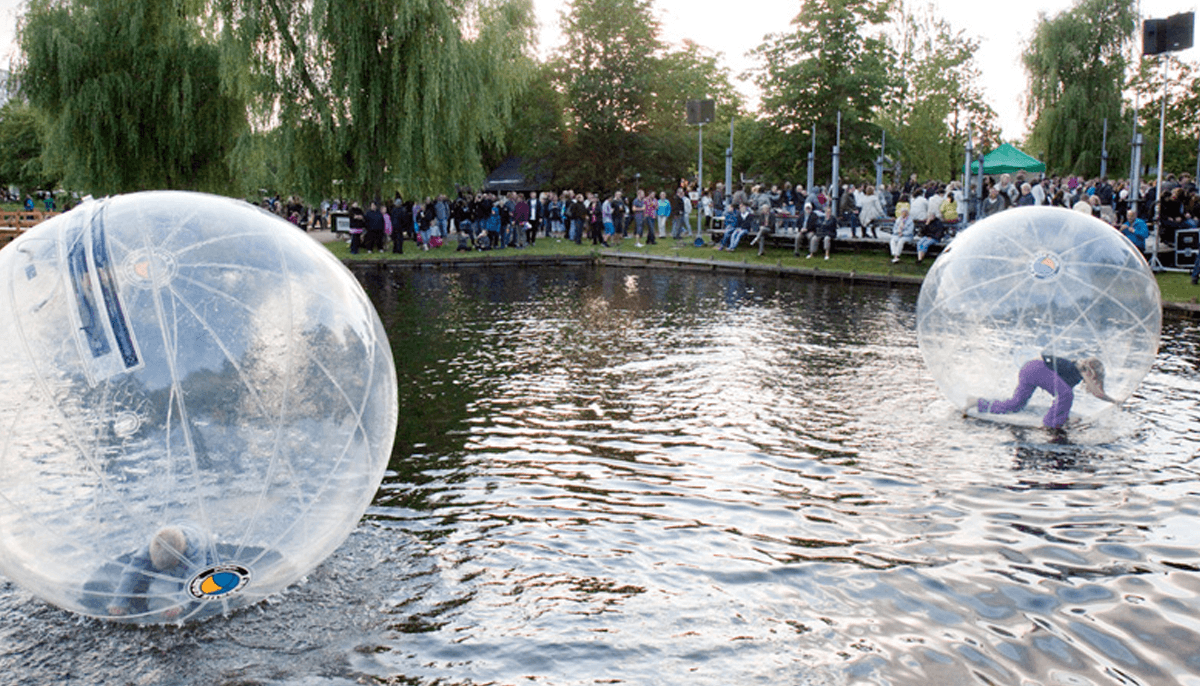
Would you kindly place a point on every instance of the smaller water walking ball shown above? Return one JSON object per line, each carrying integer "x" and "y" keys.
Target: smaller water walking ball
{"x": 1024, "y": 297}
{"x": 197, "y": 404}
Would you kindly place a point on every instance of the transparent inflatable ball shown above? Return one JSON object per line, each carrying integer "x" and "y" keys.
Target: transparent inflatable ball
{"x": 198, "y": 403}
{"x": 1040, "y": 302}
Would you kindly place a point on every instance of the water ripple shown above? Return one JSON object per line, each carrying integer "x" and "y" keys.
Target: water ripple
{"x": 640, "y": 477}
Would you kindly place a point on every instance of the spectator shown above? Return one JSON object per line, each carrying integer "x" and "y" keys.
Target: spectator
{"x": 520, "y": 221}
{"x": 826, "y": 232}
{"x": 1026, "y": 198}
{"x": 993, "y": 204}
{"x": 930, "y": 235}
{"x": 902, "y": 231}
{"x": 678, "y": 224}
{"x": 375, "y": 233}
{"x": 872, "y": 211}
{"x": 1134, "y": 228}
{"x": 806, "y": 226}
{"x": 649, "y": 213}
{"x": 1008, "y": 191}
{"x": 619, "y": 210}
{"x": 734, "y": 230}
{"x": 358, "y": 225}
{"x": 919, "y": 208}
{"x": 663, "y": 212}
{"x": 848, "y": 209}
{"x": 397, "y": 214}
{"x": 765, "y": 218}
{"x": 1038, "y": 191}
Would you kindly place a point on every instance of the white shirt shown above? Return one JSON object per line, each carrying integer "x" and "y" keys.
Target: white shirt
{"x": 918, "y": 209}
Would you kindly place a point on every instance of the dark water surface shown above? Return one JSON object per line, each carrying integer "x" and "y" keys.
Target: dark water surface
{"x": 612, "y": 476}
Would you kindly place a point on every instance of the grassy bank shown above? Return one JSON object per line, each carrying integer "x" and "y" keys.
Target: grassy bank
{"x": 1175, "y": 287}
{"x": 872, "y": 261}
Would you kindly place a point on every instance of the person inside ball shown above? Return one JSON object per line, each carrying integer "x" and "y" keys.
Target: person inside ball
{"x": 172, "y": 553}
{"x": 1058, "y": 376}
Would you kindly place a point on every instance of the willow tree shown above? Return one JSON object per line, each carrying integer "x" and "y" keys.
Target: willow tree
{"x": 21, "y": 144}
{"x": 131, "y": 94}
{"x": 371, "y": 96}
{"x": 1076, "y": 64}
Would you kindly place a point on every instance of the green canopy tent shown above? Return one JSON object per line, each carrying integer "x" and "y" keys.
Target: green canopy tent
{"x": 1007, "y": 160}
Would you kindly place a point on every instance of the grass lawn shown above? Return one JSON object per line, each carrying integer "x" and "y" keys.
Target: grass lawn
{"x": 864, "y": 261}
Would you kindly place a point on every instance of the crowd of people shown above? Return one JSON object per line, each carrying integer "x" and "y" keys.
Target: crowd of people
{"x": 920, "y": 214}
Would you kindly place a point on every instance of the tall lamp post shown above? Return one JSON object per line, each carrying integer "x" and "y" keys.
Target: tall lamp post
{"x": 1164, "y": 36}
{"x": 835, "y": 190}
{"x": 879, "y": 161}
{"x": 729, "y": 162}
{"x": 700, "y": 112}
{"x": 812, "y": 161}
{"x": 967, "y": 179}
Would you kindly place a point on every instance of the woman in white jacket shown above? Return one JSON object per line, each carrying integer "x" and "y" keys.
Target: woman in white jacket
{"x": 871, "y": 210}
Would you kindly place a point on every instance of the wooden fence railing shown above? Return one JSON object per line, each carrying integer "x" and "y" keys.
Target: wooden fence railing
{"x": 22, "y": 219}
{"x": 14, "y": 222}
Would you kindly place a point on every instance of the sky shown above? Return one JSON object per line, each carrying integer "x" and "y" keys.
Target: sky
{"x": 1008, "y": 26}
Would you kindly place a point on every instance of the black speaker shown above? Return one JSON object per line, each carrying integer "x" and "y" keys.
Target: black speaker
{"x": 1187, "y": 247}
{"x": 1150, "y": 29}
{"x": 1176, "y": 32}
{"x": 700, "y": 111}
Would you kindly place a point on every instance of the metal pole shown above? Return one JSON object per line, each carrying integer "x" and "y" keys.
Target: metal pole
{"x": 729, "y": 163}
{"x": 1135, "y": 174}
{"x": 812, "y": 157}
{"x": 1162, "y": 130}
{"x": 1104, "y": 151}
{"x": 978, "y": 188}
{"x": 879, "y": 164}
{"x": 835, "y": 191}
{"x": 967, "y": 180}
{"x": 699, "y": 178}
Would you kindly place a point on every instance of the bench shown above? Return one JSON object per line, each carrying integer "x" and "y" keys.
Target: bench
{"x": 785, "y": 237}
{"x": 24, "y": 219}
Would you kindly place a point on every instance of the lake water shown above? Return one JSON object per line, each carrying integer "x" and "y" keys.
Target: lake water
{"x": 652, "y": 477}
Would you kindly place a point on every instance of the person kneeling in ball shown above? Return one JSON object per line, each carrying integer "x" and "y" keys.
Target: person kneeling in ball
{"x": 1057, "y": 376}
{"x": 172, "y": 553}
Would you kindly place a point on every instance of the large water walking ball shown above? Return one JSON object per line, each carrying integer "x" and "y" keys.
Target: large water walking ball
{"x": 1038, "y": 282}
{"x": 197, "y": 404}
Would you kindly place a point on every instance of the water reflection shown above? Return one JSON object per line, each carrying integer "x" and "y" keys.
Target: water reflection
{"x": 642, "y": 477}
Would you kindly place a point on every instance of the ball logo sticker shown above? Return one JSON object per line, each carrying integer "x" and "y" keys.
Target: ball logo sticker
{"x": 219, "y": 581}
{"x": 1045, "y": 265}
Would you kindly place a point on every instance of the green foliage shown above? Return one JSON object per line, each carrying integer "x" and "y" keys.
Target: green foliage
{"x": 537, "y": 131}
{"x": 373, "y": 96}
{"x": 625, "y": 92}
{"x": 941, "y": 102}
{"x": 1076, "y": 65}
{"x": 835, "y": 59}
{"x": 131, "y": 93}
{"x": 21, "y": 148}
{"x": 1183, "y": 101}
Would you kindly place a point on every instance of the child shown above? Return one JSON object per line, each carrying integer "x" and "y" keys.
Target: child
{"x": 1055, "y": 375}
{"x": 173, "y": 552}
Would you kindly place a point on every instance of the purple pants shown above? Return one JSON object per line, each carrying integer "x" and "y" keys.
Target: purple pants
{"x": 1034, "y": 375}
